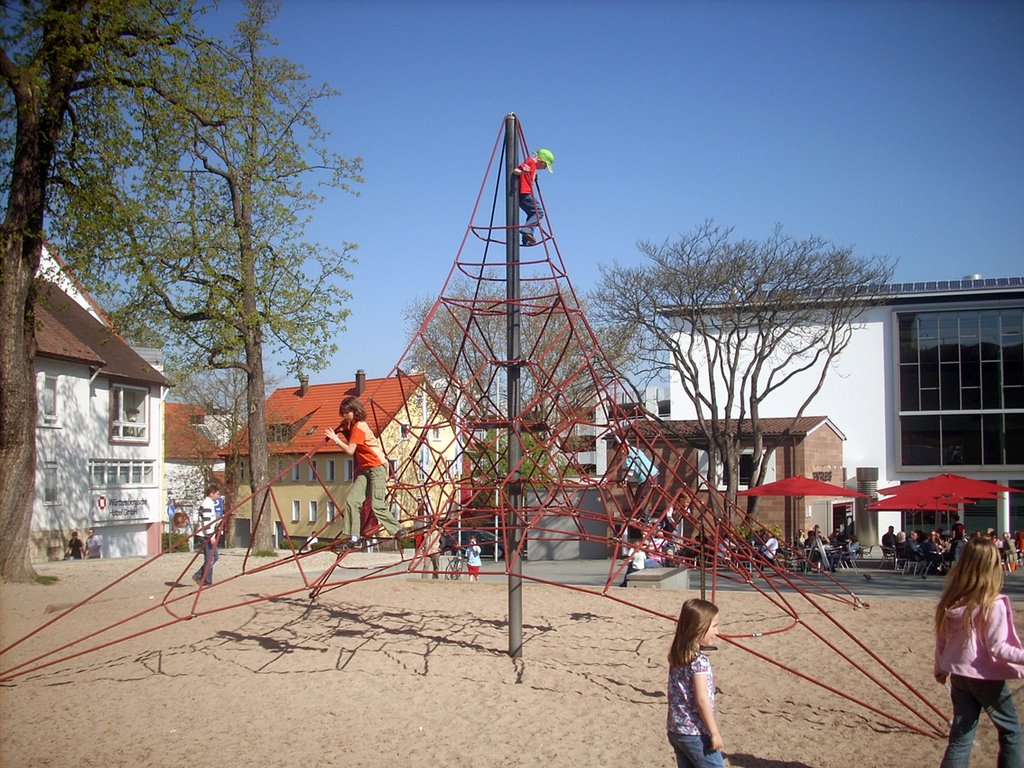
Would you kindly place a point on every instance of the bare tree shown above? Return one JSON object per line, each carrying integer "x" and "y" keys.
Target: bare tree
{"x": 736, "y": 321}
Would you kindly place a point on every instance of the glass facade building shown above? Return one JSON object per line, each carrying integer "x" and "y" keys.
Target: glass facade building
{"x": 961, "y": 388}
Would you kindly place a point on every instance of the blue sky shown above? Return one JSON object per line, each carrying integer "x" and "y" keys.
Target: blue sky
{"x": 893, "y": 127}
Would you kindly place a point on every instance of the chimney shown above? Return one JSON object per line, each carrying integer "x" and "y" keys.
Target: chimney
{"x": 360, "y": 381}
{"x": 303, "y": 384}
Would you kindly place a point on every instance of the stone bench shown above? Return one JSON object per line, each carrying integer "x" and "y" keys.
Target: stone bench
{"x": 660, "y": 578}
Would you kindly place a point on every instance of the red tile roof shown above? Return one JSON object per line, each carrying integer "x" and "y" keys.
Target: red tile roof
{"x": 182, "y": 439}
{"x": 54, "y": 340}
{"x": 64, "y": 329}
{"x": 310, "y": 413}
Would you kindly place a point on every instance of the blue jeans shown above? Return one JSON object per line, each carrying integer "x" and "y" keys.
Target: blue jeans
{"x": 210, "y": 556}
{"x": 533, "y": 211}
{"x": 694, "y": 752}
{"x": 970, "y": 697}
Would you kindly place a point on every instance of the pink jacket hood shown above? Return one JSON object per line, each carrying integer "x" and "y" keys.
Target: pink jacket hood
{"x": 989, "y": 651}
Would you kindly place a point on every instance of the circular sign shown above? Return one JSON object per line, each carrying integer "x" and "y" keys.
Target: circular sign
{"x": 180, "y": 519}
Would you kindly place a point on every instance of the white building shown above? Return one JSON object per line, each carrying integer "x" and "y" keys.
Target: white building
{"x": 99, "y": 445}
{"x": 932, "y": 381}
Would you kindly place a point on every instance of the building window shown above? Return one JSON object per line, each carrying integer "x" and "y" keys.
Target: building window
{"x": 330, "y": 470}
{"x": 312, "y": 470}
{"x": 241, "y": 471}
{"x": 296, "y": 473}
{"x": 961, "y": 387}
{"x": 50, "y": 483}
{"x": 128, "y": 413}
{"x": 330, "y": 511}
{"x": 105, "y": 473}
{"x": 296, "y": 510}
{"x": 435, "y": 433}
{"x": 392, "y": 467}
{"x": 48, "y": 400}
{"x": 404, "y": 431}
{"x": 312, "y": 510}
{"x": 746, "y": 468}
{"x": 347, "y": 470}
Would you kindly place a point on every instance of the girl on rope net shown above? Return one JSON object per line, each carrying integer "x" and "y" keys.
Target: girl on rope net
{"x": 977, "y": 648}
{"x": 355, "y": 438}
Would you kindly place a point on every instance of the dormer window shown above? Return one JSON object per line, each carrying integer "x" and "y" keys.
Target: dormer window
{"x": 279, "y": 433}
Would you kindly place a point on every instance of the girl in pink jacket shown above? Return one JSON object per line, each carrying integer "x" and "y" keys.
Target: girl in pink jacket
{"x": 977, "y": 648}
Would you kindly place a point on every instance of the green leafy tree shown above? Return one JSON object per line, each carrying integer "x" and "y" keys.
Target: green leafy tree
{"x": 209, "y": 246}
{"x": 55, "y": 56}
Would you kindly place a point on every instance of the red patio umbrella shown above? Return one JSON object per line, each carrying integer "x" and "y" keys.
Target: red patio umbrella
{"x": 911, "y": 502}
{"x": 800, "y": 486}
{"x": 901, "y": 502}
{"x": 947, "y": 484}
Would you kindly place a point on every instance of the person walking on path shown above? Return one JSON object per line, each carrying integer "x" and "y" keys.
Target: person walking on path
{"x": 527, "y": 173}
{"x": 206, "y": 535}
{"x": 355, "y": 438}
{"x": 75, "y": 547}
{"x": 94, "y": 545}
{"x": 977, "y": 649}
{"x": 692, "y": 727}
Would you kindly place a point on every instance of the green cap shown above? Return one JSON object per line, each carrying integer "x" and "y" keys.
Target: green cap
{"x": 547, "y": 157}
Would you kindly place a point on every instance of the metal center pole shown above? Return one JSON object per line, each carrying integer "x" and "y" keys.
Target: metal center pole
{"x": 514, "y": 490}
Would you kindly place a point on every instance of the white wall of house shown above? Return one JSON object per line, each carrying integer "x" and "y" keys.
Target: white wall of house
{"x": 854, "y": 395}
{"x": 860, "y": 394}
{"x": 83, "y": 478}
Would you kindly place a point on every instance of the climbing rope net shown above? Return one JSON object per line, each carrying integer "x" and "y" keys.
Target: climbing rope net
{"x": 574, "y": 406}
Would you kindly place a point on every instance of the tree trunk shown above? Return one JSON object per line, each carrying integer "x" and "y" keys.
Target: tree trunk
{"x": 17, "y": 405}
{"x": 40, "y": 114}
{"x": 263, "y": 513}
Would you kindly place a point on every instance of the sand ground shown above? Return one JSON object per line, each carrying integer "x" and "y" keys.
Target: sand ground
{"x": 405, "y": 671}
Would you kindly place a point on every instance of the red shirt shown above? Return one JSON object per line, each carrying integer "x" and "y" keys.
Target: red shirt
{"x": 368, "y": 453}
{"x": 528, "y": 173}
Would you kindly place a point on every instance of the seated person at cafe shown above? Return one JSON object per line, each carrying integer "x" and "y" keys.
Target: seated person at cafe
{"x": 655, "y": 547}
{"x": 889, "y": 539}
{"x": 813, "y": 544}
{"x": 850, "y": 552}
{"x": 930, "y": 551}
{"x": 769, "y": 546}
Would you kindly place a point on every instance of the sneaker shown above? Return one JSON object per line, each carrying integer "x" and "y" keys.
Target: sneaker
{"x": 528, "y": 239}
{"x": 346, "y": 544}
{"x": 198, "y": 580}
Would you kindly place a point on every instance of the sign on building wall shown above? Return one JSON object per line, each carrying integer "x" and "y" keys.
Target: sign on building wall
{"x": 123, "y": 508}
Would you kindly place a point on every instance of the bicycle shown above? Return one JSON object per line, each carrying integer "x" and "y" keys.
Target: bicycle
{"x": 456, "y": 564}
